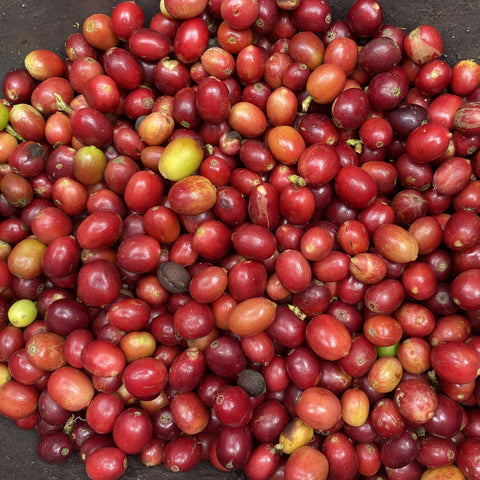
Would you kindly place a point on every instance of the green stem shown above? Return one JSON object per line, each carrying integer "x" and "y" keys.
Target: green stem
{"x": 306, "y": 103}
{"x": 297, "y": 311}
{"x": 356, "y": 144}
{"x": 9, "y": 129}
{"x": 69, "y": 425}
{"x": 209, "y": 148}
{"x": 61, "y": 105}
{"x": 297, "y": 180}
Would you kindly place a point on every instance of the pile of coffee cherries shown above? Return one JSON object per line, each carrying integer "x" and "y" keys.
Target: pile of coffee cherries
{"x": 245, "y": 233}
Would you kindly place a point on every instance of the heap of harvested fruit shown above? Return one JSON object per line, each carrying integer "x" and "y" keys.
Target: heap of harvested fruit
{"x": 247, "y": 233}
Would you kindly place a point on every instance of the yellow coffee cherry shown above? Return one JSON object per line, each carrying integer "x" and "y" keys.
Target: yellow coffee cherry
{"x": 22, "y": 312}
{"x": 294, "y": 435}
{"x": 4, "y": 374}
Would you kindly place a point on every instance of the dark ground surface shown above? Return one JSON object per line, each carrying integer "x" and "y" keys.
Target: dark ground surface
{"x": 26, "y": 25}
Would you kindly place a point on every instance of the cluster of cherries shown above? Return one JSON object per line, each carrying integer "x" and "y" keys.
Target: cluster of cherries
{"x": 245, "y": 233}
